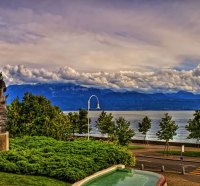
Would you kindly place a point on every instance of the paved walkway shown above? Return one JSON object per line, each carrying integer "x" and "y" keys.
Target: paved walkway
{"x": 173, "y": 179}
{"x": 181, "y": 180}
{"x": 151, "y": 150}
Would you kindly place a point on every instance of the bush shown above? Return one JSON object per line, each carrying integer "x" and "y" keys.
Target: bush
{"x": 69, "y": 161}
{"x": 35, "y": 116}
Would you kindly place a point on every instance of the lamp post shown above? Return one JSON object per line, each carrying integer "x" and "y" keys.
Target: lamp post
{"x": 98, "y": 107}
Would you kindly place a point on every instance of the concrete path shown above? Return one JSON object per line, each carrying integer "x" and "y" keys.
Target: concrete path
{"x": 181, "y": 180}
{"x": 156, "y": 164}
{"x": 153, "y": 160}
{"x": 151, "y": 150}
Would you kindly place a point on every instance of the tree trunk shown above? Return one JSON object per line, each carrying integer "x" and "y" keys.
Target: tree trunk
{"x": 197, "y": 143}
{"x": 165, "y": 148}
{"x": 167, "y": 144}
{"x": 145, "y": 139}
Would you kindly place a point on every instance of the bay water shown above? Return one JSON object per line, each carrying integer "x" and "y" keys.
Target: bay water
{"x": 180, "y": 117}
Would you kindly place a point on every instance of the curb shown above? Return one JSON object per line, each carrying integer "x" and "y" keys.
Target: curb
{"x": 167, "y": 159}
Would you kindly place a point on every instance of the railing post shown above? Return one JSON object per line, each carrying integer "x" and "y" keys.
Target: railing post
{"x": 163, "y": 168}
{"x": 182, "y": 170}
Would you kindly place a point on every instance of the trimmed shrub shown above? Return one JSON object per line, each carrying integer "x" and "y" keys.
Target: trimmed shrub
{"x": 70, "y": 161}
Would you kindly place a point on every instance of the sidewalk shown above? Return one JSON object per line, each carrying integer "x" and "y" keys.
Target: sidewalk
{"x": 151, "y": 151}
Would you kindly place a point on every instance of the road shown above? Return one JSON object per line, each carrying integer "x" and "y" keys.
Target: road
{"x": 170, "y": 165}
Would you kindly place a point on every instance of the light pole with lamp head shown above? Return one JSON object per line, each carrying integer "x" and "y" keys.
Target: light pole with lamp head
{"x": 98, "y": 107}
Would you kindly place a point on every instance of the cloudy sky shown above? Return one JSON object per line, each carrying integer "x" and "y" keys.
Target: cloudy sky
{"x": 144, "y": 45}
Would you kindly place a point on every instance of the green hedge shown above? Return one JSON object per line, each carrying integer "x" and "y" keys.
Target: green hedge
{"x": 70, "y": 161}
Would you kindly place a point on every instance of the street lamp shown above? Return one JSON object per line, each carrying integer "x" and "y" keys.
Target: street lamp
{"x": 98, "y": 107}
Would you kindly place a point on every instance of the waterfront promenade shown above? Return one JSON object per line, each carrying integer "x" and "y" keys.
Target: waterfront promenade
{"x": 153, "y": 161}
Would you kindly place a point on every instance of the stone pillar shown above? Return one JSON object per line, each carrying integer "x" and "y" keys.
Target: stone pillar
{"x": 4, "y": 141}
{"x": 4, "y": 137}
{"x": 3, "y": 115}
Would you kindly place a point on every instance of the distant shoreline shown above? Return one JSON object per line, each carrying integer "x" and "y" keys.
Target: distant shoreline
{"x": 180, "y": 117}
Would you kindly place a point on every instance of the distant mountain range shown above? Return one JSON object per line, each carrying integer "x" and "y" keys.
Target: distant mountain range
{"x": 72, "y": 97}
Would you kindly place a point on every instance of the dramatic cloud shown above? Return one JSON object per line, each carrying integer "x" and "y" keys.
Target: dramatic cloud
{"x": 169, "y": 80}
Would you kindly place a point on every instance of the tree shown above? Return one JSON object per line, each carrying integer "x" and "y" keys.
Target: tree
{"x": 144, "y": 126}
{"x": 118, "y": 130}
{"x": 82, "y": 125}
{"x": 167, "y": 130}
{"x": 194, "y": 127}
{"x": 74, "y": 119}
{"x": 105, "y": 124}
{"x": 62, "y": 127}
{"x": 35, "y": 116}
{"x": 13, "y": 118}
{"x": 122, "y": 131}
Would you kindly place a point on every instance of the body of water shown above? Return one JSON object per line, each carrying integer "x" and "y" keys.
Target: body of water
{"x": 180, "y": 117}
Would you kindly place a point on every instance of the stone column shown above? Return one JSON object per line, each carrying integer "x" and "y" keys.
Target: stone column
{"x": 3, "y": 114}
{"x": 4, "y": 136}
{"x": 4, "y": 141}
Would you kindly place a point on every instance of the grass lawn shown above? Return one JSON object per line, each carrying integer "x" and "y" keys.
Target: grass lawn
{"x": 187, "y": 153}
{"x": 8, "y": 179}
{"x": 133, "y": 147}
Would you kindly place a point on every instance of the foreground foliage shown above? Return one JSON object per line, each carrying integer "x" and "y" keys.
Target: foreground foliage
{"x": 35, "y": 116}
{"x": 26, "y": 180}
{"x": 69, "y": 161}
